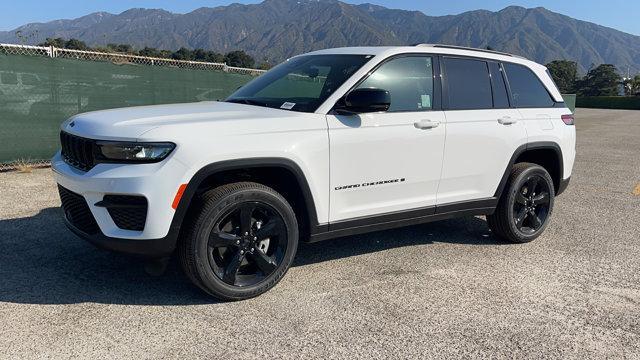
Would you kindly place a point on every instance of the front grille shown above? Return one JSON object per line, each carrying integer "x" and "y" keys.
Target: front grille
{"x": 77, "y": 211}
{"x": 77, "y": 151}
{"x": 128, "y": 212}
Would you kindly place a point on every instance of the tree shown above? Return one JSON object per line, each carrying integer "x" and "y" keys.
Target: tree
{"x": 600, "y": 81}
{"x": 150, "y": 52}
{"x": 207, "y": 56}
{"x": 75, "y": 44}
{"x": 235, "y": 58}
{"x": 632, "y": 86}
{"x": 57, "y": 42}
{"x": 213, "y": 56}
{"x": 121, "y": 48}
{"x": 565, "y": 75}
{"x": 165, "y": 54}
{"x": 265, "y": 64}
{"x": 239, "y": 58}
{"x": 182, "y": 54}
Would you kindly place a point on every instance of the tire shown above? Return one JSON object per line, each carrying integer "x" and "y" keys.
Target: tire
{"x": 525, "y": 206}
{"x": 241, "y": 241}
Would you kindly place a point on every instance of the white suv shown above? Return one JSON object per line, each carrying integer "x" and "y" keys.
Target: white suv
{"x": 328, "y": 144}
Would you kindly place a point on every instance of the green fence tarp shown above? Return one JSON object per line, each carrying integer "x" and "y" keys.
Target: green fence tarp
{"x": 609, "y": 102}
{"x": 570, "y": 101}
{"x": 38, "y": 93}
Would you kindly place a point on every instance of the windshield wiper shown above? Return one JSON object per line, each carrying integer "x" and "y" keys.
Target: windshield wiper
{"x": 247, "y": 102}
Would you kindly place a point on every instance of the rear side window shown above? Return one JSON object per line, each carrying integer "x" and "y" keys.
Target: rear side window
{"x": 468, "y": 84}
{"x": 409, "y": 80}
{"x": 500, "y": 95}
{"x": 527, "y": 90}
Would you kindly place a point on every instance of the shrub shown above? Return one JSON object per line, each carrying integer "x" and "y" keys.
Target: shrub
{"x": 609, "y": 102}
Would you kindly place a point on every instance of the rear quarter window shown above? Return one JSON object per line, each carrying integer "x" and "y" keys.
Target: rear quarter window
{"x": 527, "y": 91}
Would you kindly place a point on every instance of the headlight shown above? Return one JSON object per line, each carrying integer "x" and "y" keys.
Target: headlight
{"x": 132, "y": 152}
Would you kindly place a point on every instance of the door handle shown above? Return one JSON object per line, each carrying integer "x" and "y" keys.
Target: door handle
{"x": 426, "y": 124}
{"x": 507, "y": 120}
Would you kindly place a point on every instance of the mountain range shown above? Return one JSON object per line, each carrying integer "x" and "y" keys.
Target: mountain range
{"x": 276, "y": 29}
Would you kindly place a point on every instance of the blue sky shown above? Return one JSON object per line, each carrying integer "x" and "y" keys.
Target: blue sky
{"x": 618, "y": 14}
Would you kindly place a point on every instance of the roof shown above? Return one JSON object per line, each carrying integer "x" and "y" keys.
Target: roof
{"x": 428, "y": 48}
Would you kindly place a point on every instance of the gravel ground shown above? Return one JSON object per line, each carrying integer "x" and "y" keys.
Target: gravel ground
{"x": 446, "y": 289}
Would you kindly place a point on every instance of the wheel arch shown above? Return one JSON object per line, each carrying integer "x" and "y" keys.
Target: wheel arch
{"x": 222, "y": 172}
{"x": 544, "y": 153}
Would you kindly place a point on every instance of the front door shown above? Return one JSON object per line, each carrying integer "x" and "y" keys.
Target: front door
{"x": 391, "y": 161}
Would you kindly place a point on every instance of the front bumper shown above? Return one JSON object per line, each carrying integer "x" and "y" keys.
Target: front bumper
{"x": 157, "y": 183}
{"x": 153, "y": 248}
{"x": 564, "y": 184}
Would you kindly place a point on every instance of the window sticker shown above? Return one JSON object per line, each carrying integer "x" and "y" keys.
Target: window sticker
{"x": 288, "y": 106}
{"x": 426, "y": 101}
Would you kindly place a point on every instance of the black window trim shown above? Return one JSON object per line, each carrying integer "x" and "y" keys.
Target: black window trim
{"x": 437, "y": 82}
{"x": 506, "y": 82}
{"x": 506, "y": 85}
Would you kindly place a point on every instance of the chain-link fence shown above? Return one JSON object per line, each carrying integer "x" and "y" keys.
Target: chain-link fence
{"x": 42, "y": 86}
{"x": 119, "y": 58}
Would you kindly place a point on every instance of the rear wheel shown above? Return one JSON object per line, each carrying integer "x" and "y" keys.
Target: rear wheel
{"x": 525, "y": 207}
{"x": 242, "y": 241}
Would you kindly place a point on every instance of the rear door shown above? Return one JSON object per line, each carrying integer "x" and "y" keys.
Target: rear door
{"x": 483, "y": 131}
{"x": 533, "y": 101}
{"x": 386, "y": 162}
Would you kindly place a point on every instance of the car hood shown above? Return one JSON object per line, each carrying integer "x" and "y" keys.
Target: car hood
{"x": 131, "y": 122}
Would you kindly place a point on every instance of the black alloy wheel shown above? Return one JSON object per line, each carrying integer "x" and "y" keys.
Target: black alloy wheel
{"x": 531, "y": 205}
{"x": 247, "y": 244}
{"x": 525, "y": 206}
{"x": 241, "y": 240}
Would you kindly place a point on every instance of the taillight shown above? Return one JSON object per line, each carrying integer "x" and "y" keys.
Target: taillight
{"x": 568, "y": 119}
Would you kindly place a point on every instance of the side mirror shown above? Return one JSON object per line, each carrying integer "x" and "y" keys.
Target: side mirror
{"x": 364, "y": 100}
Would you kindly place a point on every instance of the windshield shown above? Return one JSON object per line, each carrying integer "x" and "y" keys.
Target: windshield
{"x": 300, "y": 84}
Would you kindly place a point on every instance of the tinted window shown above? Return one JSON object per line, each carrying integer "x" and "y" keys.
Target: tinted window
{"x": 300, "y": 84}
{"x": 500, "y": 96}
{"x": 409, "y": 80}
{"x": 307, "y": 84}
{"x": 468, "y": 84}
{"x": 526, "y": 88}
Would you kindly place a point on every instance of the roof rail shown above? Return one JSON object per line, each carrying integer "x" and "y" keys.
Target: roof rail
{"x": 469, "y": 48}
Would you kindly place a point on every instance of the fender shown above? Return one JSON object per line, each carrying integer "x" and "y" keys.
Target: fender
{"x": 520, "y": 150}
{"x": 211, "y": 169}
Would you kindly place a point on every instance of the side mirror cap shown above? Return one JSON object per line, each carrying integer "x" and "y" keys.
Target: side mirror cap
{"x": 364, "y": 100}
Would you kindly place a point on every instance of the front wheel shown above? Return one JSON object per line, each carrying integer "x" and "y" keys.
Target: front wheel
{"x": 525, "y": 207}
{"x": 242, "y": 241}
